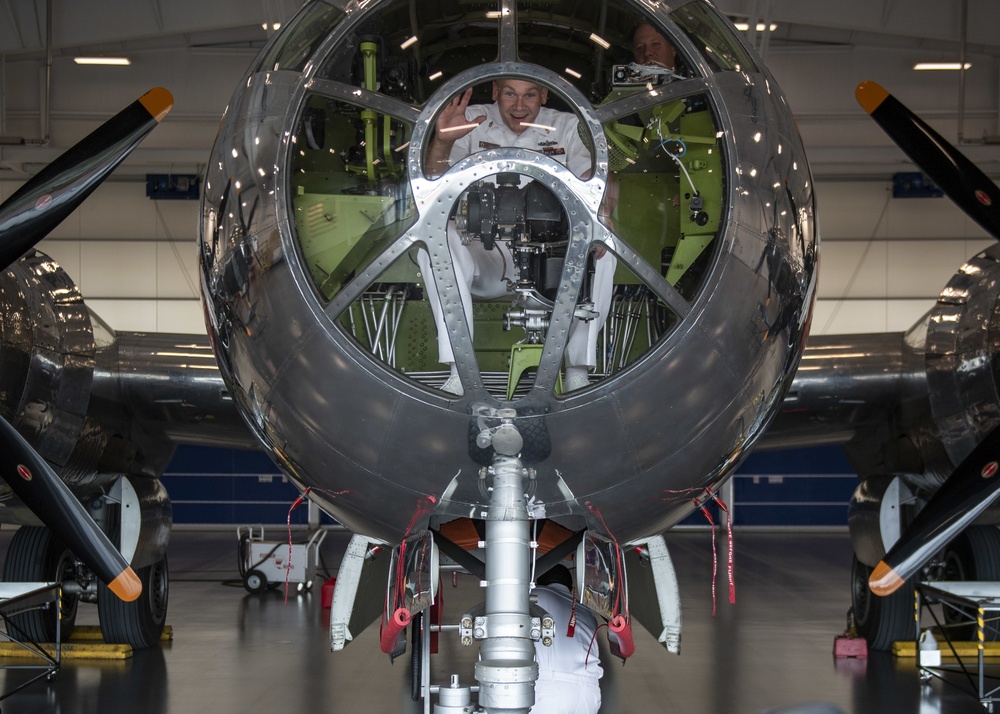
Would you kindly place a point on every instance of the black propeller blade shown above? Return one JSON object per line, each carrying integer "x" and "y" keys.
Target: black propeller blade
{"x": 975, "y": 484}
{"x": 41, "y": 489}
{"x": 970, "y": 489}
{"x": 958, "y": 177}
{"x": 52, "y": 194}
{"x": 25, "y": 218}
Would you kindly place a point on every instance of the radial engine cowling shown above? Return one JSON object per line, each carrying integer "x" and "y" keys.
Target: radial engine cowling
{"x": 47, "y": 353}
{"x": 963, "y": 349}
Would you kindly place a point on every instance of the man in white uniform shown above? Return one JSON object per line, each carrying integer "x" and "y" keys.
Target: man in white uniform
{"x": 516, "y": 118}
{"x": 569, "y": 669}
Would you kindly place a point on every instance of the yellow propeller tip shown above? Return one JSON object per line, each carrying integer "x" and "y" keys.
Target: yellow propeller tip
{"x": 158, "y": 102}
{"x": 870, "y": 95}
{"x": 884, "y": 580}
{"x": 126, "y": 586}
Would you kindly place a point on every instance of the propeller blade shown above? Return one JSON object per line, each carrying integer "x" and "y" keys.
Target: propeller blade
{"x": 41, "y": 489}
{"x": 969, "y": 491}
{"x": 958, "y": 177}
{"x": 55, "y": 191}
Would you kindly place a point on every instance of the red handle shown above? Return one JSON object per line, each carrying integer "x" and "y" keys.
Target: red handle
{"x": 622, "y": 631}
{"x": 390, "y": 633}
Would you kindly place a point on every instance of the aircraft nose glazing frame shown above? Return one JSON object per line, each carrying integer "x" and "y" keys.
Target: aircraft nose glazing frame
{"x": 435, "y": 197}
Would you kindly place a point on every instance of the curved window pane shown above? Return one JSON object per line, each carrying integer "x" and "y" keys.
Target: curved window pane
{"x": 721, "y": 48}
{"x": 351, "y": 195}
{"x": 406, "y": 49}
{"x": 387, "y": 256}
{"x": 597, "y": 46}
{"x": 509, "y": 112}
{"x": 668, "y": 198}
{"x": 309, "y": 28}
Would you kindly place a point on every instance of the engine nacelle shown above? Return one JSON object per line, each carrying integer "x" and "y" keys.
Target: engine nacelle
{"x": 48, "y": 355}
{"x": 61, "y": 387}
{"x": 963, "y": 355}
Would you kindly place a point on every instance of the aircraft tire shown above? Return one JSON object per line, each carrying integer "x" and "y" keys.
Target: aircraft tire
{"x": 138, "y": 623}
{"x": 881, "y": 620}
{"x": 973, "y": 555}
{"x": 36, "y": 555}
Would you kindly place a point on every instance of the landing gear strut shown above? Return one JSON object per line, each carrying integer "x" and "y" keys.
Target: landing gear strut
{"x": 506, "y": 670}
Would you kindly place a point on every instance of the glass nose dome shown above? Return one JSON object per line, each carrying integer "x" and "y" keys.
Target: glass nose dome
{"x": 507, "y": 191}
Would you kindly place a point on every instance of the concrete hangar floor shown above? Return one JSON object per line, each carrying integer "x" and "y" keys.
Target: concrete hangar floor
{"x": 234, "y": 652}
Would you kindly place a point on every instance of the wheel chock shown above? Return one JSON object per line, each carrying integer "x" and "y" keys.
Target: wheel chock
{"x": 848, "y": 645}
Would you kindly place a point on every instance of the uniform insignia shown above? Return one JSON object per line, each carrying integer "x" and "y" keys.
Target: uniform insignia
{"x": 488, "y": 145}
{"x": 547, "y": 143}
{"x": 553, "y": 150}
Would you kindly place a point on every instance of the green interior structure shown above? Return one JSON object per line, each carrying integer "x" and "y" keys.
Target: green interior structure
{"x": 352, "y": 199}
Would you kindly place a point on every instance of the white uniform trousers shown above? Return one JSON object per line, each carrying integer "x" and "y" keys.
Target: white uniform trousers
{"x": 481, "y": 273}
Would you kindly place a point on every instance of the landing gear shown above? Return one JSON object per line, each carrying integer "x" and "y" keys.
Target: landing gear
{"x": 138, "y": 623}
{"x": 881, "y": 620}
{"x": 973, "y": 555}
{"x": 36, "y": 555}
{"x": 506, "y": 670}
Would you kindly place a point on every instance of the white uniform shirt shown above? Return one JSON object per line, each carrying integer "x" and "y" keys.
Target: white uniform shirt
{"x": 570, "y": 657}
{"x": 483, "y": 273}
{"x": 562, "y": 142}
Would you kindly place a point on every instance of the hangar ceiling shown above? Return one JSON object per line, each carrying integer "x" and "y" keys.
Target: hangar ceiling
{"x": 818, "y": 51}
{"x": 884, "y": 260}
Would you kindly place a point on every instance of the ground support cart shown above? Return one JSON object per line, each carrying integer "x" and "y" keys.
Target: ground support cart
{"x": 265, "y": 564}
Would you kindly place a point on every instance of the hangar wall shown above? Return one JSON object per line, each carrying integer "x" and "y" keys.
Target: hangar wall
{"x": 796, "y": 488}
{"x": 883, "y": 260}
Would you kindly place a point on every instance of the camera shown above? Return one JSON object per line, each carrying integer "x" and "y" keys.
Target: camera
{"x": 634, "y": 75}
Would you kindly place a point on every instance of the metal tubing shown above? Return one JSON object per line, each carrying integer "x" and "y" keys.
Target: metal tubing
{"x": 506, "y": 670}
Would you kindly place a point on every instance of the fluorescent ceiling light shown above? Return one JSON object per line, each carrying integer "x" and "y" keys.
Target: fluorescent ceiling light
{"x": 940, "y": 65}
{"x": 745, "y": 27}
{"x": 119, "y": 61}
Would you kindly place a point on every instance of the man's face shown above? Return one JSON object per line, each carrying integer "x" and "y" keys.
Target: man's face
{"x": 650, "y": 47}
{"x": 519, "y": 102}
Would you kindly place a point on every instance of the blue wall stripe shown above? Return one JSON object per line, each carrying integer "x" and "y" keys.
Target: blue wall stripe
{"x": 794, "y": 487}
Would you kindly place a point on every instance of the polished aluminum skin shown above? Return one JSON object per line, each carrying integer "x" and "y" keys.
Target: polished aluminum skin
{"x": 632, "y": 455}
{"x": 910, "y": 404}
{"x": 962, "y": 345}
{"x": 101, "y": 405}
{"x": 48, "y": 353}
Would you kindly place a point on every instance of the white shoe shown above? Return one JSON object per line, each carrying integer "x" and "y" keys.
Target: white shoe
{"x": 453, "y": 385}
{"x": 575, "y": 380}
